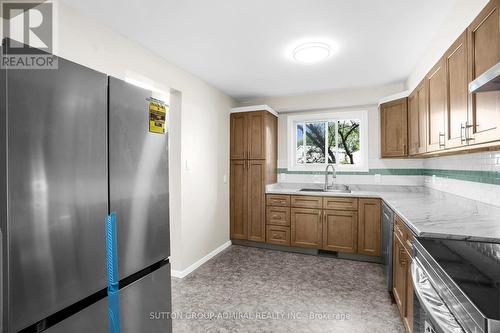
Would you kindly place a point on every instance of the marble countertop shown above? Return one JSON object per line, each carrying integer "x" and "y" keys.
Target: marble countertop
{"x": 428, "y": 212}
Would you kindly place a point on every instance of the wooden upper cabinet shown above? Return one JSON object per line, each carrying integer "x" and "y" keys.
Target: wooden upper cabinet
{"x": 436, "y": 86}
{"x": 340, "y": 230}
{"x": 423, "y": 109}
{"x": 417, "y": 120}
{"x": 394, "y": 128}
{"x": 369, "y": 227}
{"x": 457, "y": 92}
{"x": 256, "y": 135}
{"x": 413, "y": 125}
{"x": 256, "y": 172}
{"x": 484, "y": 52}
{"x": 238, "y": 199}
{"x": 238, "y": 141}
{"x": 306, "y": 227}
{"x": 249, "y": 138}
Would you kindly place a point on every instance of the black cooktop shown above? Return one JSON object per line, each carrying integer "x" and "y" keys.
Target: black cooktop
{"x": 475, "y": 268}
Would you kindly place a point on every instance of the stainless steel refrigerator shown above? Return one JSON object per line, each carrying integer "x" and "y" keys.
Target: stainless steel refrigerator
{"x": 75, "y": 145}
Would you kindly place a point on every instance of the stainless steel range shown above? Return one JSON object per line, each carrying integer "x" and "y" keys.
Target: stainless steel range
{"x": 457, "y": 284}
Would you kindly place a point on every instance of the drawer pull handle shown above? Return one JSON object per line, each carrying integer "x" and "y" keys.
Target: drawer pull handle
{"x": 277, "y": 217}
{"x": 402, "y": 256}
{"x": 278, "y": 201}
{"x": 277, "y": 236}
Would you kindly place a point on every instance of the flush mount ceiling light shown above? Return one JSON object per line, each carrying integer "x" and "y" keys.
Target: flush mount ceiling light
{"x": 311, "y": 52}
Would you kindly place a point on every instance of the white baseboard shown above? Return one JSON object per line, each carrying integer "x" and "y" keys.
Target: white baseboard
{"x": 187, "y": 271}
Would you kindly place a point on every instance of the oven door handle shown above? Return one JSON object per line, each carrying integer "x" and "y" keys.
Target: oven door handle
{"x": 431, "y": 301}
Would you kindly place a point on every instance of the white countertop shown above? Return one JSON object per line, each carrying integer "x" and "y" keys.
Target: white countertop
{"x": 429, "y": 213}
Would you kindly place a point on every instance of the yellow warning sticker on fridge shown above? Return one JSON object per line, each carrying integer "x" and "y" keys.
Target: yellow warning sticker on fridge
{"x": 157, "y": 115}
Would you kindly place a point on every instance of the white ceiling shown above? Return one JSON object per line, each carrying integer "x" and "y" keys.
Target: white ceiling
{"x": 239, "y": 45}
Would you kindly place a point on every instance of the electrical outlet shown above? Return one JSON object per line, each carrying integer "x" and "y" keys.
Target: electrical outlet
{"x": 378, "y": 178}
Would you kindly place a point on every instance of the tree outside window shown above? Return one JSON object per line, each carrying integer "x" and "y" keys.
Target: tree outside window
{"x": 337, "y": 142}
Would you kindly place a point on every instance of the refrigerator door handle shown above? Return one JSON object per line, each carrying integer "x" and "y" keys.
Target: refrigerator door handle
{"x": 112, "y": 266}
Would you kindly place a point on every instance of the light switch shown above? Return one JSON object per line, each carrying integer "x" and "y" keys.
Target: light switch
{"x": 224, "y": 179}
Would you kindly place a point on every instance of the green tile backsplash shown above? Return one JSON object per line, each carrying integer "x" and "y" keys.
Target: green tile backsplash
{"x": 486, "y": 177}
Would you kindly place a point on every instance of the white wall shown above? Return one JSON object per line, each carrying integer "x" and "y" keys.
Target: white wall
{"x": 459, "y": 18}
{"x": 199, "y": 131}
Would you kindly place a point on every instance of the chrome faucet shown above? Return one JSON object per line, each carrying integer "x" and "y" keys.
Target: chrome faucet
{"x": 327, "y": 187}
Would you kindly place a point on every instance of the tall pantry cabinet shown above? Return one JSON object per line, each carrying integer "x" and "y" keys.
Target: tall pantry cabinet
{"x": 253, "y": 158}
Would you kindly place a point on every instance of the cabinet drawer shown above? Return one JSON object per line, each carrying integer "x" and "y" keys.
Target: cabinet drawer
{"x": 399, "y": 228}
{"x": 278, "y": 200}
{"x": 278, "y": 215}
{"x": 303, "y": 201}
{"x": 404, "y": 234}
{"x": 340, "y": 203}
{"x": 278, "y": 235}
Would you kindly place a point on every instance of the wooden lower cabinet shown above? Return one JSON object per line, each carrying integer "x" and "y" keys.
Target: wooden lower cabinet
{"x": 399, "y": 275}
{"x": 278, "y": 235}
{"x": 369, "y": 227}
{"x": 408, "y": 316}
{"x": 340, "y": 224}
{"x": 278, "y": 216}
{"x": 306, "y": 227}
{"x": 256, "y": 171}
{"x": 340, "y": 230}
{"x": 247, "y": 200}
{"x": 238, "y": 199}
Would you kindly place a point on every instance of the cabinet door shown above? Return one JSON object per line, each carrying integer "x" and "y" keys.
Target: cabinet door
{"x": 306, "y": 227}
{"x": 457, "y": 89}
{"x": 399, "y": 271}
{"x": 413, "y": 126}
{"x": 394, "y": 128}
{"x": 238, "y": 199}
{"x": 408, "y": 316}
{"x": 340, "y": 230}
{"x": 436, "y": 84}
{"x": 238, "y": 136}
{"x": 256, "y": 170}
{"x": 421, "y": 92}
{"x": 256, "y": 135}
{"x": 369, "y": 227}
{"x": 484, "y": 52}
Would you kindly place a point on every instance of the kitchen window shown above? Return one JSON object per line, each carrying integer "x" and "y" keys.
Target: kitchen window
{"x": 331, "y": 138}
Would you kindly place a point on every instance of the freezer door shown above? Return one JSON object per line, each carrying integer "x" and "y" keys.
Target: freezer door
{"x": 138, "y": 179}
{"x": 57, "y": 189}
{"x": 144, "y": 305}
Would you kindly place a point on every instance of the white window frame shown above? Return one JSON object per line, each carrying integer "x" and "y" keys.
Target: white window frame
{"x": 293, "y": 120}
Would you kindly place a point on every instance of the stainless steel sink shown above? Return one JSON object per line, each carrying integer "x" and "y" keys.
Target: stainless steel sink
{"x": 337, "y": 188}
